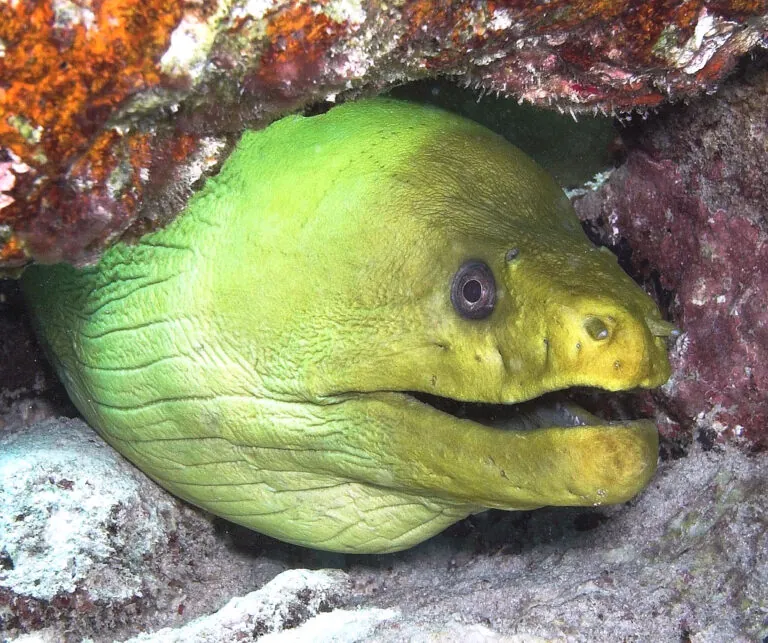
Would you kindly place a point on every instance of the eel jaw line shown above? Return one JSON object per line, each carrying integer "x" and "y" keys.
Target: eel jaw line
{"x": 550, "y": 410}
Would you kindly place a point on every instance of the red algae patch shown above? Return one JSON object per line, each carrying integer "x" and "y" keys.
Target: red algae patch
{"x": 690, "y": 202}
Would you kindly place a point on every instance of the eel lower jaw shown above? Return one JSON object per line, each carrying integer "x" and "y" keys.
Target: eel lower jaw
{"x": 547, "y": 451}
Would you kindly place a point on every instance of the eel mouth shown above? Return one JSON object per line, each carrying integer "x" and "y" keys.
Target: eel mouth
{"x": 562, "y": 409}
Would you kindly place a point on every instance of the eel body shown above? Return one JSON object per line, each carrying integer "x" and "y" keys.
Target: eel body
{"x": 302, "y": 349}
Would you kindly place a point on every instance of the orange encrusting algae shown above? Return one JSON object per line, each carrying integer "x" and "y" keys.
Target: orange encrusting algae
{"x": 61, "y": 78}
{"x": 63, "y": 81}
{"x": 299, "y": 45}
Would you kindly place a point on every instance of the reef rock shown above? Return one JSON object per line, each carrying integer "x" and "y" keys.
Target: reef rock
{"x": 111, "y": 111}
{"x": 89, "y": 546}
{"x": 688, "y": 213}
{"x": 289, "y": 601}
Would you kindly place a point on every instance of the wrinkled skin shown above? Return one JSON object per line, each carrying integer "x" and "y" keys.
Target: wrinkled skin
{"x": 257, "y": 357}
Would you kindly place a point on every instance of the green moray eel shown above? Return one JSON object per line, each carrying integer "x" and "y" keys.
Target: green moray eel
{"x": 283, "y": 354}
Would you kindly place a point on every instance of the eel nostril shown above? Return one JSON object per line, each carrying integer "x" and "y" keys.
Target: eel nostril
{"x": 661, "y": 328}
{"x": 596, "y": 329}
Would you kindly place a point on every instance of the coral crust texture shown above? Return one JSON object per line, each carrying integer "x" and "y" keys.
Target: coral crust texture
{"x": 111, "y": 110}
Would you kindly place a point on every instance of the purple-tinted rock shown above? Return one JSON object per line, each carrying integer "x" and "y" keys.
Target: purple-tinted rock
{"x": 691, "y": 203}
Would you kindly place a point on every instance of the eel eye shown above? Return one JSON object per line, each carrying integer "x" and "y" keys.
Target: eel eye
{"x": 473, "y": 291}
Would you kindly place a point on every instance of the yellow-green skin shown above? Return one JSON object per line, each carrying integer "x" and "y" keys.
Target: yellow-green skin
{"x": 254, "y": 356}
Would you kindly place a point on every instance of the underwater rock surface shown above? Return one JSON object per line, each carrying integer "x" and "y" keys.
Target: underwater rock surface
{"x": 89, "y": 544}
{"x": 687, "y": 560}
{"x": 111, "y": 112}
{"x": 688, "y": 212}
{"x": 287, "y": 602}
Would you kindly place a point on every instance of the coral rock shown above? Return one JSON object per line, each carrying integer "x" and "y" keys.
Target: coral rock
{"x": 89, "y": 545}
{"x": 111, "y": 111}
{"x": 691, "y": 202}
{"x": 288, "y": 601}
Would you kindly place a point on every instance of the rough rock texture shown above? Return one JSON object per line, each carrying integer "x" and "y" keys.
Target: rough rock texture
{"x": 288, "y": 601}
{"x": 60, "y": 529}
{"x": 688, "y": 212}
{"x": 29, "y": 391}
{"x": 339, "y": 626}
{"x": 111, "y": 111}
{"x": 88, "y": 544}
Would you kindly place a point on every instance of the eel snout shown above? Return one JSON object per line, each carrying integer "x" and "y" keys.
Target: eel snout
{"x": 606, "y": 347}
